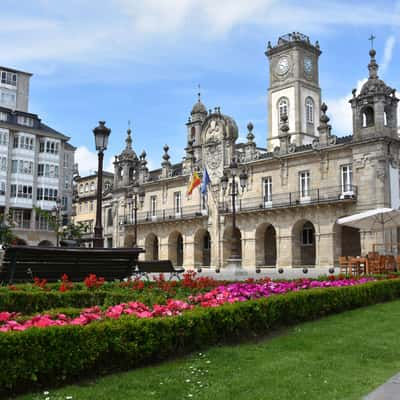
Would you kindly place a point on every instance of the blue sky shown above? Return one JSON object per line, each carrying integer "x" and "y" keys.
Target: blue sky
{"x": 141, "y": 60}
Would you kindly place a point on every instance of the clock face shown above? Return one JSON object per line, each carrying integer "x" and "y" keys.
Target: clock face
{"x": 283, "y": 66}
{"x": 308, "y": 65}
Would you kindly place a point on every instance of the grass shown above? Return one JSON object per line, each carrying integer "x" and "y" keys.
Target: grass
{"x": 341, "y": 357}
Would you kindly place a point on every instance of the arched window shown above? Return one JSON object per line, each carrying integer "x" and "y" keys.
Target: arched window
{"x": 86, "y": 187}
{"x": 385, "y": 121}
{"x": 283, "y": 108}
{"x": 192, "y": 133}
{"x": 309, "y": 110}
{"x": 80, "y": 188}
{"x": 367, "y": 117}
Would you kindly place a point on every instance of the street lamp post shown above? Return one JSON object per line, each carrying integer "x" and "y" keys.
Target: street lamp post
{"x": 101, "y": 134}
{"x": 235, "y": 260}
{"x": 55, "y": 212}
{"x": 138, "y": 192}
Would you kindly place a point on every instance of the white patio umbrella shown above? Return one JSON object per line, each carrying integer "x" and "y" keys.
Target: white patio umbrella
{"x": 375, "y": 220}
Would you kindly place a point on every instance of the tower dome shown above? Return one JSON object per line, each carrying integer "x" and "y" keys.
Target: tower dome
{"x": 199, "y": 110}
{"x": 199, "y": 107}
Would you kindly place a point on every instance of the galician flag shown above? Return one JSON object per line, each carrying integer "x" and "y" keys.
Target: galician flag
{"x": 205, "y": 181}
{"x": 194, "y": 182}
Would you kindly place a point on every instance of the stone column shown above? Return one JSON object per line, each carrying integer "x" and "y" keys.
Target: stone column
{"x": 249, "y": 252}
{"x": 188, "y": 253}
{"x": 284, "y": 252}
{"x": 325, "y": 249}
{"x": 163, "y": 248}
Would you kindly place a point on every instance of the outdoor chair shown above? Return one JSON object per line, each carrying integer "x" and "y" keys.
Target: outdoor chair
{"x": 344, "y": 264}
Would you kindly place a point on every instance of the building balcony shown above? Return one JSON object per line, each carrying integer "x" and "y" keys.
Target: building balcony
{"x": 329, "y": 195}
{"x": 183, "y": 213}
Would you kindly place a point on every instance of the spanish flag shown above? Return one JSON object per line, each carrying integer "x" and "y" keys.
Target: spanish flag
{"x": 194, "y": 182}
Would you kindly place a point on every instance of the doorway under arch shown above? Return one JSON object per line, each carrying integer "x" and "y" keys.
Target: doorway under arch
{"x": 175, "y": 248}
{"x": 266, "y": 245}
{"x": 303, "y": 244}
{"x": 202, "y": 248}
{"x": 151, "y": 247}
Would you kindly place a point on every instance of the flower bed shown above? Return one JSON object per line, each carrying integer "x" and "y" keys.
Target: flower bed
{"x": 61, "y": 353}
{"x": 229, "y": 293}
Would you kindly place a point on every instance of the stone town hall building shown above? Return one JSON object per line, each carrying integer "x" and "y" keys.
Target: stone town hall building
{"x": 298, "y": 186}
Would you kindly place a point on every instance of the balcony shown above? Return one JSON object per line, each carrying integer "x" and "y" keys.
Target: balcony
{"x": 164, "y": 215}
{"x": 334, "y": 194}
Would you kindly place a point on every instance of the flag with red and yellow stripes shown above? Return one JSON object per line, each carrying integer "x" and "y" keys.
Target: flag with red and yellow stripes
{"x": 194, "y": 182}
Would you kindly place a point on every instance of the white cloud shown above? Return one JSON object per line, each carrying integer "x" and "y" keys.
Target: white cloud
{"x": 114, "y": 30}
{"x": 88, "y": 160}
{"x": 340, "y": 112}
{"x": 388, "y": 53}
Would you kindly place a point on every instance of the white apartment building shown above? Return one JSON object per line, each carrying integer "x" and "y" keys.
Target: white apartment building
{"x": 36, "y": 162}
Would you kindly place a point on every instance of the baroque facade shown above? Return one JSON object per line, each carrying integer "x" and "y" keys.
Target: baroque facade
{"x": 298, "y": 185}
{"x": 36, "y": 163}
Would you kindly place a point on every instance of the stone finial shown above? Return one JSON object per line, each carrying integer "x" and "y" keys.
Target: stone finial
{"x": 128, "y": 139}
{"x": 324, "y": 118}
{"x": 166, "y": 165}
{"x": 354, "y": 92}
{"x": 373, "y": 66}
{"x": 317, "y": 44}
{"x": 166, "y": 156}
{"x": 324, "y": 129}
{"x": 143, "y": 161}
{"x": 250, "y": 135}
{"x": 269, "y": 46}
{"x": 284, "y": 124}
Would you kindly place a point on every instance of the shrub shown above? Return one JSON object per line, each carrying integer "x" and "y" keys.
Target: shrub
{"x": 53, "y": 355}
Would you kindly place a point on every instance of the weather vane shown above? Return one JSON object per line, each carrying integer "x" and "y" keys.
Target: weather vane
{"x": 199, "y": 93}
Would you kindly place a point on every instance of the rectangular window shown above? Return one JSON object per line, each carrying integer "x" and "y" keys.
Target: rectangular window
{"x": 66, "y": 182}
{"x": 15, "y": 141}
{"x": 2, "y": 188}
{"x": 177, "y": 202}
{"x": 4, "y": 163}
{"x": 13, "y": 191}
{"x": 304, "y": 184}
{"x": 268, "y": 190}
{"x": 40, "y": 170}
{"x": 9, "y": 78}
{"x": 153, "y": 206}
{"x": 64, "y": 202}
{"x": 41, "y": 146}
{"x": 14, "y": 166}
{"x": 3, "y": 116}
{"x": 24, "y": 120}
{"x": 347, "y": 178}
{"x": 8, "y": 98}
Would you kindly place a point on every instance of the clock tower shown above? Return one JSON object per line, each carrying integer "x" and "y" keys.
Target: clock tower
{"x": 294, "y": 88}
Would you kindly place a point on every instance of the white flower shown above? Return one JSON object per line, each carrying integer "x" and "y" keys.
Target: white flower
{"x": 46, "y": 393}
{"x": 187, "y": 380}
{"x": 68, "y": 397}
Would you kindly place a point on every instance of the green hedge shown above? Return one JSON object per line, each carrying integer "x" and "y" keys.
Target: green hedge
{"x": 29, "y": 302}
{"x": 53, "y": 355}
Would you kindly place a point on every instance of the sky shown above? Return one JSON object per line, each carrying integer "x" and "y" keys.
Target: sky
{"x": 142, "y": 61}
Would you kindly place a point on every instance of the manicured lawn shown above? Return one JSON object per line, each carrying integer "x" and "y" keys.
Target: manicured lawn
{"x": 341, "y": 357}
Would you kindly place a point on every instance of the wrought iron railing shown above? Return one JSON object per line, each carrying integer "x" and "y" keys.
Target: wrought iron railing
{"x": 292, "y": 199}
{"x": 165, "y": 215}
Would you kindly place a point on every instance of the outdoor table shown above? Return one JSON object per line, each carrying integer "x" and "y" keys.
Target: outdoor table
{"x": 357, "y": 261}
